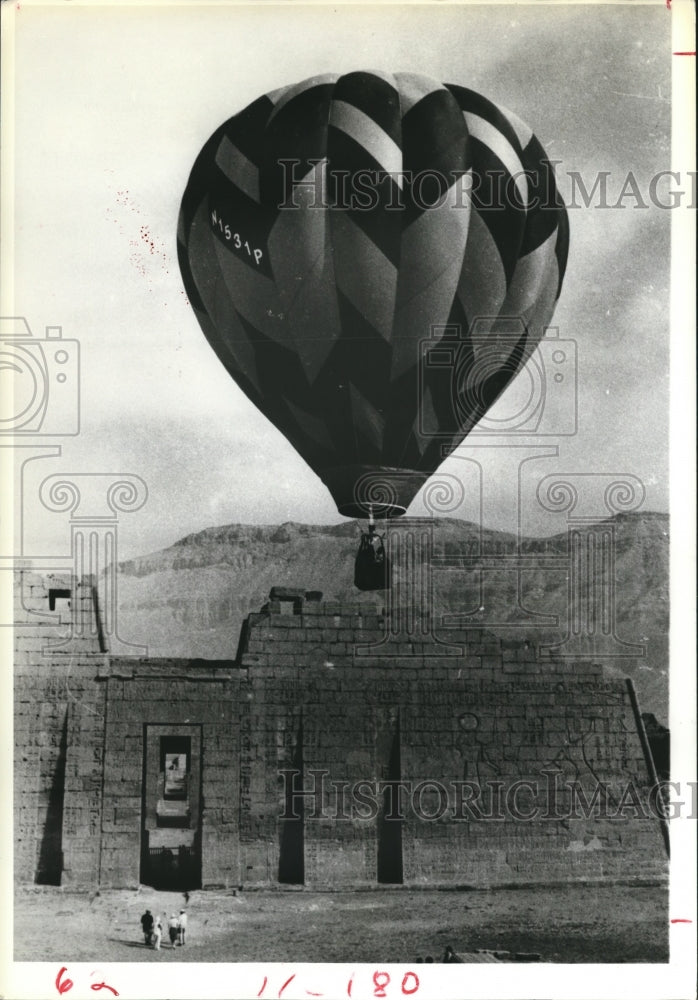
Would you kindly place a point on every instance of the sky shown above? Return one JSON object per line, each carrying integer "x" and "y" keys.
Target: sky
{"x": 111, "y": 107}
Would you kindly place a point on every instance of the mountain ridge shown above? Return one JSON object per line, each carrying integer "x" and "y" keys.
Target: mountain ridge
{"x": 190, "y": 598}
{"x": 237, "y": 531}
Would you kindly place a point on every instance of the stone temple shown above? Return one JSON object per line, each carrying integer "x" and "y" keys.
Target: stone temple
{"x": 337, "y": 748}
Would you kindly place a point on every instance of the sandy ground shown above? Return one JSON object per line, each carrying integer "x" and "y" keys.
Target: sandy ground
{"x": 571, "y": 924}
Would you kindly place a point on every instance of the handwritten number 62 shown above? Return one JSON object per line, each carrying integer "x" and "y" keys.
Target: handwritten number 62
{"x": 63, "y": 985}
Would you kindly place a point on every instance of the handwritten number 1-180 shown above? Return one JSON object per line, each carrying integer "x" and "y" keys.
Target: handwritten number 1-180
{"x": 381, "y": 980}
{"x": 409, "y": 985}
{"x": 235, "y": 238}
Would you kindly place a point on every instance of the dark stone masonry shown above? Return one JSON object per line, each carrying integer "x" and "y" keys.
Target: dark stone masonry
{"x": 332, "y": 751}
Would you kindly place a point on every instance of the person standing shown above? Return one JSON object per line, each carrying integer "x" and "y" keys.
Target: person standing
{"x": 450, "y": 956}
{"x": 173, "y": 927}
{"x": 157, "y": 933}
{"x": 182, "y": 926}
{"x": 147, "y": 925}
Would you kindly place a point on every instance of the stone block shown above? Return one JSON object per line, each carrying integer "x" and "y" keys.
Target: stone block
{"x": 284, "y": 623}
{"x": 282, "y": 660}
{"x": 255, "y": 659}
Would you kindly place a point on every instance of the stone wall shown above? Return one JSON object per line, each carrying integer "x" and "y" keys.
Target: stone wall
{"x": 322, "y": 702}
{"x": 336, "y": 688}
{"x": 58, "y": 730}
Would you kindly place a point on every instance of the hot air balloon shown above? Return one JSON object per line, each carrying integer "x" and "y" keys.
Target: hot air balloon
{"x": 337, "y": 235}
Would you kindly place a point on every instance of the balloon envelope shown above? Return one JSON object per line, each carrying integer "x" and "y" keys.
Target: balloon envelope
{"x": 373, "y": 258}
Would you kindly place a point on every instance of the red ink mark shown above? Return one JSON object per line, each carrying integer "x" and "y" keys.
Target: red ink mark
{"x": 103, "y": 986}
{"x": 350, "y": 984}
{"x": 63, "y": 985}
{"x": 264, "y": 986}
{"x": 384, "y": 978}
{"x": 311, "y": 994}
{"x": 668, "y": 4}
{"x": 681, "y": 920}
{"x": 287, "y": 983}
{"x": 405, "y": 978}
{"x": 683, "y": 53}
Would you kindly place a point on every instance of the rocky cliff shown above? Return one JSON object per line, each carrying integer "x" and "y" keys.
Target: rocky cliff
{"x": 191, "y": 598}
